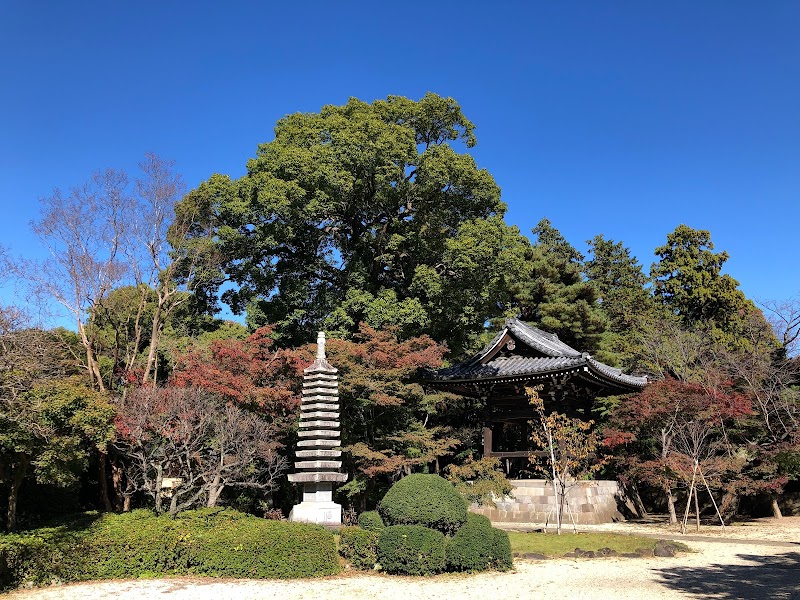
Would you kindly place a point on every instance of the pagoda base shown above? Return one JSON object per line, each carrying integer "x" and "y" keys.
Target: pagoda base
{"x": 321, "y": 513}
{"x": 317, "y": 505}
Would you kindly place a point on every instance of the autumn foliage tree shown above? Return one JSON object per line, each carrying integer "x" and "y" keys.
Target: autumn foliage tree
{"x": 658, "y": 434}
{"x": 568, "y": 447}
{"x": 252, "y": 373}
{"x": 202, "y": 443}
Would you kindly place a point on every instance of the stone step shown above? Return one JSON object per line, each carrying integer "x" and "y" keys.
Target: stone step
{"x": 317, "y": 477}
{"x": 320, "y": 433}
{"x": 329, "y": 443}
{"x": 319, "y": 414}
{"x": 318, "y": 453}
{"x": 334, "y": 465}
{"x": 320, "y": 424}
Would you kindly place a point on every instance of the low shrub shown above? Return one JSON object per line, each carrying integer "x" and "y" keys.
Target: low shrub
{"x": 358, "y": 547}
{"x": 427, "y": 500}
{"x": 477, "y": 546}
{"x": 214, "y": 542}
{"x": 370, "y": 520}
{"x": 24, "y": 560}
{"x": 411, "y": 550}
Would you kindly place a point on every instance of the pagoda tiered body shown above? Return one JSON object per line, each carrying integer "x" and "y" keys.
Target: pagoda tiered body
{"x": 318, "y": 451}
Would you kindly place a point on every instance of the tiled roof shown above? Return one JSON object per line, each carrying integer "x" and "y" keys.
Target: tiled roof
{"x": 617, "y": 374}
{"x": 558, "y": 357}
{"x": 507, "y": 367}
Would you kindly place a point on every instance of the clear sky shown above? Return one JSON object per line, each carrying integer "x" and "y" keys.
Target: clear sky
{"x": 620, "y": 118}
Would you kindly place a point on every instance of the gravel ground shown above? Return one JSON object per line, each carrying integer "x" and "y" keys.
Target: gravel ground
{"x": 738, "y": 564}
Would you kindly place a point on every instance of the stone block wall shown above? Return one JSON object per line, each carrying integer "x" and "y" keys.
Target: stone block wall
{"x": 591, "y": 502}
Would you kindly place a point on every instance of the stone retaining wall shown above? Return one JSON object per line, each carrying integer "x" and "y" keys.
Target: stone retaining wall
{"x": 591, "y": 502}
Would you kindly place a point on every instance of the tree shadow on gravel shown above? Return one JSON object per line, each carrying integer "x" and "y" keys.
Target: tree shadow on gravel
{"x": 767, "y": 577}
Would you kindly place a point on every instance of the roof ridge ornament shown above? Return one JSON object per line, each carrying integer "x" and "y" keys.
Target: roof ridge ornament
{"x": 321, "y": 361}
{"x": 320, "y": 345}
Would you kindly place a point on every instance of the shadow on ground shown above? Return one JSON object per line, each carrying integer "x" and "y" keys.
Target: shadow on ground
{"x": 767, "y": 577}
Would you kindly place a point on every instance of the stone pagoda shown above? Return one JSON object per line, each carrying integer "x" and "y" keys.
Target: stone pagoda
{"x": 318, "y": 451}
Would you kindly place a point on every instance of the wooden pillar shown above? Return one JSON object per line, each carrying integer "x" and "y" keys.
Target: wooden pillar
{"x": 487, "y": 440}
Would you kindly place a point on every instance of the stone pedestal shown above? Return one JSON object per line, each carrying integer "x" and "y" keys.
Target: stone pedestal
{"x": 317, "y": 506}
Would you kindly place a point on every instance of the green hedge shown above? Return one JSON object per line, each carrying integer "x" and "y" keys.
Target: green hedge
{"x": 370, "y": 520}
{"x": 214, "y": 542}
{"x": 477, "y": 546}
{"x": 411, "y": 550}
{"x": 427, "y": 500}
{"x": 359, "y": 547}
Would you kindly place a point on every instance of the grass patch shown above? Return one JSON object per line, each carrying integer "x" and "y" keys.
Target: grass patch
{"x": 554, "y": 545}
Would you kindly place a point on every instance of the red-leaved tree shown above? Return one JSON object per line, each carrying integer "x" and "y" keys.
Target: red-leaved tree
{"x": 250, "y": 373}
{"x": 658, "y": 436}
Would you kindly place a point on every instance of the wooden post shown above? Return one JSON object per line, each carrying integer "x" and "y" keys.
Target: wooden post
{"x": 487, "y": 440}
{"x": 689, "y": 500}
{"x": 696, "y": 510}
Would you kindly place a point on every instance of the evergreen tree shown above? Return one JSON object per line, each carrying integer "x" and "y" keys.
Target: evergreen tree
{"x": 554, "y": 294}
{"x": 623, "y": 297}
{"x": 688, "y": 279}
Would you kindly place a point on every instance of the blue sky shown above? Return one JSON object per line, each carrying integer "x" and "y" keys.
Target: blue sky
{"x": 621, "y": 118}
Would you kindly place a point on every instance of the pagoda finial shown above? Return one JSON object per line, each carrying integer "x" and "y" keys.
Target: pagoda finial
{"x": 320, "y": 345}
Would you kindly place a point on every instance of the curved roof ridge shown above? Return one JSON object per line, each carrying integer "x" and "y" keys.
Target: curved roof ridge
{"x": 617, "y": 374}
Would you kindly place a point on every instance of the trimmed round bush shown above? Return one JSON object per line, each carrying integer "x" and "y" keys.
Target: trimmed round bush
{"x": 411, "y": 550}
{"x": 370, "y": 520}
{"x": 427, "y": 500}
{"x": 477, "y": 546}
{"x": 358, "y": 547}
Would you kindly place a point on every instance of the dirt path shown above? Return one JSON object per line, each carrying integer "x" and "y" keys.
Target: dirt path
{"x": 734, "y": 569}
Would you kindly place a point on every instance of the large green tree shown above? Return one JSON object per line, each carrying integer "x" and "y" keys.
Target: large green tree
{"x": 345, "y": 208}
{"x": 688, "y": 279}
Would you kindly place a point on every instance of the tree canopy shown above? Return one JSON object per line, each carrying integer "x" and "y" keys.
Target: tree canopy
{"x": 346, "y": 208}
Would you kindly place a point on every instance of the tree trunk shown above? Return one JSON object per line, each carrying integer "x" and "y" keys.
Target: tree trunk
{"x": 555, "y": 479}
{"x": 673, "y": 517}
{"x": 103, "y": 475}
{"x": 91, "y": 361}
{"x": 638, "y": 502}
{"x": 776, "y": 510}
{"x": 158, "y": 494}
{"x": 213, "y": 494}
{"x": 116, "y": 482}
{"x": 214, "y": 490}
{"x": 13, "y": 494}
{"x": 173, "y": 504}
{"x": 154, "y": 337}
